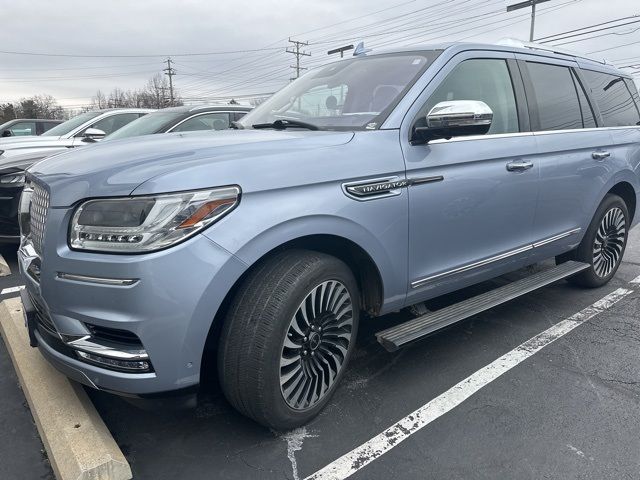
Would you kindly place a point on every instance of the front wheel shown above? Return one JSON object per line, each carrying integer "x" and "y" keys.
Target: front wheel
{"x": 288, "y": 336}
{"x": 604, "y": 243}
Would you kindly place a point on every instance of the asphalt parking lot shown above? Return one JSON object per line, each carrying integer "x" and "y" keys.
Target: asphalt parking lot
{"x": 568, "y": 411}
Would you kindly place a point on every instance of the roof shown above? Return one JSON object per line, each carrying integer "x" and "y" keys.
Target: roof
{"x": 34, "y": 120}
{"x": 515, "y": 46}
{"x": 209, "y": 108}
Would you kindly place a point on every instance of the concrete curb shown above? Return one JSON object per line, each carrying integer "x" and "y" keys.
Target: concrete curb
{"x": 4, "y": 267}
{"x": 78, "y": 442}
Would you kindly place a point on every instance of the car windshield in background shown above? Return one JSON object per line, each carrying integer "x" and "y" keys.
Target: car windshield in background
{"x": 357, "y": 93}
{"x": 70, "y": 125}
{"x": 146, "y": 125}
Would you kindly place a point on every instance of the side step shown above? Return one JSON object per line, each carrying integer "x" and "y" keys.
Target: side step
{"x": 395, "y": 337}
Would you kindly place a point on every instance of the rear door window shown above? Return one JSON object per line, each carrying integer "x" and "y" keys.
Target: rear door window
{"x": 617, "y": 106}
{"x": 555, "y": 97}
{"x": 588, "y": 118}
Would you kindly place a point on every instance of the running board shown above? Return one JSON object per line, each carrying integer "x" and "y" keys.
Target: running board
{"x": 395, "y": 337}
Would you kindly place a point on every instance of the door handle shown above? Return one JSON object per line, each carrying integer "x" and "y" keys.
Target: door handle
{"x": 600, "y": 155}
{"x": 519, "y": 166}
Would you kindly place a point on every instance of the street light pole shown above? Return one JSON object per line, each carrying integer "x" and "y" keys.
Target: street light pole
{"x": 532, "y": 4}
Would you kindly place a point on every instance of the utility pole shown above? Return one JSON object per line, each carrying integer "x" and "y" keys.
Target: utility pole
{"x": 528, "y": 3}
{"x": 170, "y": 72}
{"x": 298, "y": 53}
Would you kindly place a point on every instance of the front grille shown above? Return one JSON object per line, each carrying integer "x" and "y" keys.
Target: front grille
{"x": 38, "y": 216}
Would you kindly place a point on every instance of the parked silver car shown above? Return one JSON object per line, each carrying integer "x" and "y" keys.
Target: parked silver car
{"x": 84, "y": 129}
{"x": 367, "y": 185}
{"x": 183, "y": 119}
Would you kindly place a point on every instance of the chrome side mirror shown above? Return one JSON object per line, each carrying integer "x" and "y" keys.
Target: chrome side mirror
{"x": 93, "y": 135}
{"x": 453, "y": 119}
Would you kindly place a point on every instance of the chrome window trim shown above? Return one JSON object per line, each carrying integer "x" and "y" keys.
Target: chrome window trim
{"x": 464, "y": 268}
{"x": 199, "y": 115}
{"x": 527, "y": 134}
{"x": 117, "y": 282}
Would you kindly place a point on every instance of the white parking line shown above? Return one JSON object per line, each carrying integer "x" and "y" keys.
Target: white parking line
{"x": 636, "y": 280}
{"x": 11, "y": 290}
{"x": 369, "y": 451}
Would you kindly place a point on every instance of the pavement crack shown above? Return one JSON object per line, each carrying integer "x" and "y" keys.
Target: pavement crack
{"x": 294, "y": 439}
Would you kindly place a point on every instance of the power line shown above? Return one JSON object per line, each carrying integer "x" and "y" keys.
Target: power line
{"x": 540, "y": 39}
{"x": 5, "y": 52}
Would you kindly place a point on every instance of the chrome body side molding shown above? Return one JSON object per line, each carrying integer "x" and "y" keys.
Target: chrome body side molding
{"x": 422, "y": 281}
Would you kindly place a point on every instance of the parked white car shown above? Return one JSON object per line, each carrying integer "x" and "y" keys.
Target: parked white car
{"x": 81, "y": 130}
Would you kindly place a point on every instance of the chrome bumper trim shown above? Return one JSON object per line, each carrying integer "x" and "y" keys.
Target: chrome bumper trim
{"x": 85, "y": 344}
{"x": 119, "y": 282}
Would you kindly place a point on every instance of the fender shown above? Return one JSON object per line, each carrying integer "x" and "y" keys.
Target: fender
{"x": 392, "y": 270}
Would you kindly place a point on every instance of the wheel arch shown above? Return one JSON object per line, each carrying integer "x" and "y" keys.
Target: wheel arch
{"x": 369, "y": 265}
{"x": 626, "y": 191}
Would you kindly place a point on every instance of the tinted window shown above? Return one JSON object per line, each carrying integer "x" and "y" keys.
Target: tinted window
{"x": 614, "y": 99}
{"x": 487, "y": 80}
{"x": 588, "y": 118}
{"x": 69, "y": 125}
{"x": 114, "y": 122}
{"x": 555, "y": 97}
{"x": 209, "y": 121}
{"x": 157, "y": 122}
{"x": 23, "y": 128}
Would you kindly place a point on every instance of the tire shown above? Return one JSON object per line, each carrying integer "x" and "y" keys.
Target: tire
{"x": 273, "y": 367}
{"x": 603, "y": 244}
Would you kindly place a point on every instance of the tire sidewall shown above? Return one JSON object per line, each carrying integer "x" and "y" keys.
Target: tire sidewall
{"x": 328, "y": 269}
{"x": 585, "y": 250}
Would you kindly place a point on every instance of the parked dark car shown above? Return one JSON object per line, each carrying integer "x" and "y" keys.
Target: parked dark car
{"x": 19, "y": 153}
{"x": 22, "y": 127}
{"x": 183, "y": 119}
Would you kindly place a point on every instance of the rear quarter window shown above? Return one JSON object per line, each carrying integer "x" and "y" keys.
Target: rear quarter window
{"x": 617, "y": 106}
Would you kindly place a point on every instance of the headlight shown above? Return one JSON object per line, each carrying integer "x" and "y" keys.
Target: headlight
{"x": 146, "y": 223}
{"x": 13, "y": 179}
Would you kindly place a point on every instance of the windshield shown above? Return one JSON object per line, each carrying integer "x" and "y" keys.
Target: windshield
{"x": 351, "y": 94}
{"x": 6, "y": 124}
{"x": 146, "y": 125}
{"x": 69, "y": 125}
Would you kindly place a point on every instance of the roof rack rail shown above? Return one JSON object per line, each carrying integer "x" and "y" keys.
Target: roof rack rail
{"x": 514, "y": 42}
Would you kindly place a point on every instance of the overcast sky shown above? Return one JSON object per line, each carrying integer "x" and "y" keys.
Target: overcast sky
{"x": 122, "y": 43}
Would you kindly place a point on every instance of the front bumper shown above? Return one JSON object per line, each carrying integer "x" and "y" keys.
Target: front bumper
{"x": 169, "y": 308}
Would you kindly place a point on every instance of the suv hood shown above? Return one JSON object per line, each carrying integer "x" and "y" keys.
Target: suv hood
{"x": 18, "y": 146}
{"x": 185, "y": 160}
{"x": 27, "y": 141}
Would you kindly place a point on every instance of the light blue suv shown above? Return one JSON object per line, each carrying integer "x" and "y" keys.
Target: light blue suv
{"x": 368, "y": 185}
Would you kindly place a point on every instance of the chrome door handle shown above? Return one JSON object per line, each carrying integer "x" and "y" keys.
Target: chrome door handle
{"x": 519, "y": 166}
{"x": 600, "y": 155}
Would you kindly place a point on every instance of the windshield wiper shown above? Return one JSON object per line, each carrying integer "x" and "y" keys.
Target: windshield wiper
{"x": 284, "y": 123}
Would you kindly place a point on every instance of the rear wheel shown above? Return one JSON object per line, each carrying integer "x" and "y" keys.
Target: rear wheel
{"x": 288, "y": 337}
{"x": 603, "y": 244}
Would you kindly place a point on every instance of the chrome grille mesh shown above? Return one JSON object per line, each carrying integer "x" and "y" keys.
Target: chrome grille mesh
{"x": 38, "y": 216}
